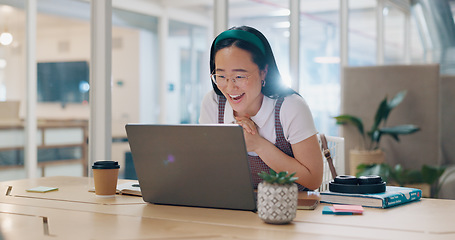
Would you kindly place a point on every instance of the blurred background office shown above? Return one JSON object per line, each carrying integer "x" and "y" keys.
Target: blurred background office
{"x": 159, "y": 64}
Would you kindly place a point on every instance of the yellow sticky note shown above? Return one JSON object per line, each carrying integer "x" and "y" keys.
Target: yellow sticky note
{"x": 42, "y": 189}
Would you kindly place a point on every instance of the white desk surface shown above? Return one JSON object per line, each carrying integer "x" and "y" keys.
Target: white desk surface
{"x": 73, "y": 212}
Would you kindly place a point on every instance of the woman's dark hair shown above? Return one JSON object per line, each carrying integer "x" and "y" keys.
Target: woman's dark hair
{"x": 262, "y": 56}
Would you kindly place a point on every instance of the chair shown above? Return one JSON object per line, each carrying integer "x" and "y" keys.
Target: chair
{"x": 336, "y": 148}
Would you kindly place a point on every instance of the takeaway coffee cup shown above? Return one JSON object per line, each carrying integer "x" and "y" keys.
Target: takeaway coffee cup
{"x": 105, "y": 174}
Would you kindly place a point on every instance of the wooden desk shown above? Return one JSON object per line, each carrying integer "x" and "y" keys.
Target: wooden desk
{"x": 74, "y": 213}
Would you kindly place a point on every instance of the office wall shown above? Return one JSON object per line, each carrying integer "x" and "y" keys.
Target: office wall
{"x": 125, "y": 77}
{"x": 447, "y": 98}
{"x": 54, "y": 44}
{"x": 366, "y": 87}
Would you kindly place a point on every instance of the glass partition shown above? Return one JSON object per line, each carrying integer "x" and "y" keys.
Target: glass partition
{"x": 63, "y": 60}
{"x": 394, "y": 35}
{"x": 135, "y": 79}
{"x": 272, "y": 19}
{"x": 320, "y": 61}
{"x": 62, "y": 39}
{"x": 362, "y": 33}
{"x": 187, "y": 71}
{"x": 417, "y": 52}
{"x": 12, "y": 90}
{"x": 63, "y": 57}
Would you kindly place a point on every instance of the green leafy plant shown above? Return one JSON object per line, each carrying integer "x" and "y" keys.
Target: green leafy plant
{"x": 401, "y": 176}
{"x": 378, "y": 129}
{"x": 279, "y": 178}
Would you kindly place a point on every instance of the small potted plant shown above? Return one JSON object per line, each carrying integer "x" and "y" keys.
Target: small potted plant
{"x": 277, "y": 197}
{"x": 369, "y": 152}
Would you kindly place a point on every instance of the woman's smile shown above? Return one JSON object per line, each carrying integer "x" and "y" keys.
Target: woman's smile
{"x": 245, "y": 96}
{"x": 237, "y": 97}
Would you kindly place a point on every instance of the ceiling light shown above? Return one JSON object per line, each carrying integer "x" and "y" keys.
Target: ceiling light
{"x": 6, "y": 9}
{"x": 285, "y": 24}
{"x": 6, "y": 38}
{"x": 281, "y": 12}
{"x": 385, "y": 11}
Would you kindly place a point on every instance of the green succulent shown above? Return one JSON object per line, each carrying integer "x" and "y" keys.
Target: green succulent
{"x": 379, "y": 126}
{"x": 279, "y": 178}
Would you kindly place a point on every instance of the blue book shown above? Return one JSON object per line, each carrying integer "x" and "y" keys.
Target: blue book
{"x": 391, "y": 197}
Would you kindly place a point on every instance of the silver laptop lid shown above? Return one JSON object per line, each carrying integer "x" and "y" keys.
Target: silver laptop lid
{"x": 192, "y": 165}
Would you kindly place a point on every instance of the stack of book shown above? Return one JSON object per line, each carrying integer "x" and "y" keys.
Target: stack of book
{"x": 391, "y": 197}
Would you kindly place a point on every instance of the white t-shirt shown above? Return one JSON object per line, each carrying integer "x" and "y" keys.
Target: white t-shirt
{"x": 295, "y": 117}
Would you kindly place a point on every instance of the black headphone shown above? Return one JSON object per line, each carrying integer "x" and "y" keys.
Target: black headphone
{"x": 360, "y": 185}
{"x": 347, "y": 183}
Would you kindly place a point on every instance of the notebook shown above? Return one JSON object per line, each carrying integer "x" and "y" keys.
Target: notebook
{"x": 192, "y": 165}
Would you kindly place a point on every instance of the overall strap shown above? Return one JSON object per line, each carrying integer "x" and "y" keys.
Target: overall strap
{"x": 281, "y": 142}
{"x": 221, "y": 107}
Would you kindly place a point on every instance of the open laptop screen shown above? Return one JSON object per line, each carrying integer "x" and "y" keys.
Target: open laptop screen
{"x": 192, "y": 165}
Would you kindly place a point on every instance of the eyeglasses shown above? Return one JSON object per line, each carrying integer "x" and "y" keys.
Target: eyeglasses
{"x": 222, "y": 81}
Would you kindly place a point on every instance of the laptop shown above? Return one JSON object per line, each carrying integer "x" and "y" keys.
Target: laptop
{"x": 192, "y": 165}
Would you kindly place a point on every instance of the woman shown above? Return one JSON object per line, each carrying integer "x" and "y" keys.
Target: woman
{"x": 247, "y": 90}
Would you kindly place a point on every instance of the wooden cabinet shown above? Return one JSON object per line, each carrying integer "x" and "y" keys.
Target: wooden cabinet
{"x": 51, "y": 134}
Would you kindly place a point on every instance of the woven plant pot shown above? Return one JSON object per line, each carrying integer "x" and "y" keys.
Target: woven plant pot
{"x": 357, "y": 157}
{"x": 277, "y": 204}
